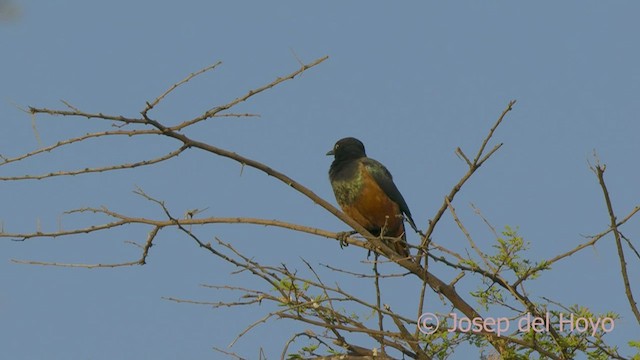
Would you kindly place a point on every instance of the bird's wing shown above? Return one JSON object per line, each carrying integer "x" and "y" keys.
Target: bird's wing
{"x": 385, "y": 181}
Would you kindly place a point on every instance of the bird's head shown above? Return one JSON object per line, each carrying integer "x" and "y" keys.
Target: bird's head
{"x": 347, "y": 148}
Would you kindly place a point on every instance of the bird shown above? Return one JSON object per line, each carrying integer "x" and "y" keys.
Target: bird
{"x": 365, "y": 191}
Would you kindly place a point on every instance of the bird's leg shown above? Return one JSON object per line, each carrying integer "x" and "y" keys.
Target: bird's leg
{"x": 383, "y": 230}
{"x": 343, "y": 235}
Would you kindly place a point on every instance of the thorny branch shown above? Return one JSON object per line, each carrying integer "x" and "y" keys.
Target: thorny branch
{"x": 426, "y": 237}
{"x": 294, "y": 293}
{"x": 599, "y": 171}
{"x": 479, "y": 159}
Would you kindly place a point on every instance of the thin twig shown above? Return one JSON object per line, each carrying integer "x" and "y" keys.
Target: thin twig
{"x": 98, "y": 169}
{"x": 462, "y": 228}
{"x": 151, "y": 105}
{"x": 593, "y": 241}
{"x": 213, "y": 112}
{"x": 477, "y": 162}
{"x": 238, "y": 357}
{"x": 376, "y": 282}
{"x": 99, "y": 116}
{"x": 75, "y": 265}
{"x": 364, "y": 276}
{"x": 599, "y": 171}
{"x": 426, "y": 238}
{"x": 62, "y": 143}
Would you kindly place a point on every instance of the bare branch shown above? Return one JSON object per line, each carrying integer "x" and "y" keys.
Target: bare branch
{"x": 468, "y": 236}
{"x": 151, "y": 105}
{"x": 593, "y": 241}
{"x": 633, "y": 248}
{"x": 361, "y": 275}
{"x": 213, "y": 112}
{"x": 599, "y": 170}
{"x": 234, "y": 355}
{"x": 306, "y": 298}
{"x": 98, "y": 169}
{"x": 100, "y": 116}
{"x": 472, "y": 168}
{"x": 75, "y": 265}
{"x": 491, "y": 131}
{"x": 426, "y": 238}
{"x": 376, "y": 283}
{"x": 62, "y": 143}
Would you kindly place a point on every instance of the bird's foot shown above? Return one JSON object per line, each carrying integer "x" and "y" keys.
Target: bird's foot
{"x": 343, "y": 235}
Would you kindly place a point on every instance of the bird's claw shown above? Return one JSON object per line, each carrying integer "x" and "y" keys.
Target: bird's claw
{"x": 342, "y": 236}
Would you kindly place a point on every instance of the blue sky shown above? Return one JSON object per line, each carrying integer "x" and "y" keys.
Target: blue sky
{"x": 413, "y": 81}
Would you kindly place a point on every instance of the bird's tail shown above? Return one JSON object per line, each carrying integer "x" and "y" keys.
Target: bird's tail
{"x": 413, "y": 224}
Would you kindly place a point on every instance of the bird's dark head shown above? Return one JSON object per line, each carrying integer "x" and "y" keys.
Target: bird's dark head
{"x": 347, "y": 149}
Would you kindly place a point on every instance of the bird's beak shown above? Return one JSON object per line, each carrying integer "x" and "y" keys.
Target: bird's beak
{"x": 330, "y": 153}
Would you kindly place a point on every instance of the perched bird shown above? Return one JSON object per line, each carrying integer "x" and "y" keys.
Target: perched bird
{"x": 365, "y": 191}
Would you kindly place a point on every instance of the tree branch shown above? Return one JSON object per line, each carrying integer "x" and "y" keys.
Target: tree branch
{"x": 599, "y": 171}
